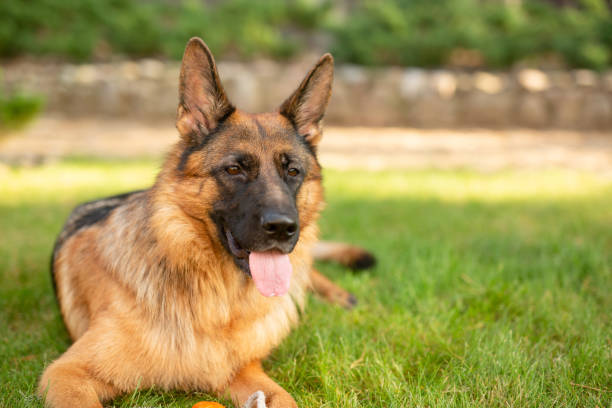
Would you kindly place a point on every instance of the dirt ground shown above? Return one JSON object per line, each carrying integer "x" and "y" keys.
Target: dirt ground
{"x": 50, "y": 138}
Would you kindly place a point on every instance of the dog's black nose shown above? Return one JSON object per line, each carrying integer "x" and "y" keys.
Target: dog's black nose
{"x": 279, "y": 226}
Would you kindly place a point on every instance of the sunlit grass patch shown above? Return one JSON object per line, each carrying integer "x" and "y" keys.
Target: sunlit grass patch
{"x": 491, "y": 289}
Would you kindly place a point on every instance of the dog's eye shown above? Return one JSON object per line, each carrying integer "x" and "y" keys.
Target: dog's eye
{"x": 293, "y": 172}
{"x": 233, "y": 170}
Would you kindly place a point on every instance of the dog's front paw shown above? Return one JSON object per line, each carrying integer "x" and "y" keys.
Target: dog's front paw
{"x": 257, "y": 400}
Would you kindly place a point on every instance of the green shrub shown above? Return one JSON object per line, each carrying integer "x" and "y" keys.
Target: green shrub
{"x": 426, "y": 32}
{"x": 402, "y": 32}
{"x": 17, "y": 108}
{"x": 82, "y": 29}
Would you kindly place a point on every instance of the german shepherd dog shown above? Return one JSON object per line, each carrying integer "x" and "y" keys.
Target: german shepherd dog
{"x": 190, "y": 284}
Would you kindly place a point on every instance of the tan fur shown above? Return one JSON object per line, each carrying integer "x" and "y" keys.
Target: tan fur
{"x": 194, "y": 329}
{"x": 345, "y": 254}
{"x": 252, "y": 377}
{"x": 149, "y": 294}
{"x": 329, "y": 291}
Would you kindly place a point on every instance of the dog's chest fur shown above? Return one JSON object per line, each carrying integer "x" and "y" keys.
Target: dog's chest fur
{"x": 187, "y": 319}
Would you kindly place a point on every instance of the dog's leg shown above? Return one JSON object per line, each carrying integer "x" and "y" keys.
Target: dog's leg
{"x": 328, "y": 290}
{"x": 252, "y": 379}
{"x": 348, "y": 255}
{"x": 68, "y": 383}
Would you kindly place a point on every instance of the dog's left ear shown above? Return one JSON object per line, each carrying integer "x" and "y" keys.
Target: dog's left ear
{"x": 306, "y": 107}
{"x": 202, "y": 100}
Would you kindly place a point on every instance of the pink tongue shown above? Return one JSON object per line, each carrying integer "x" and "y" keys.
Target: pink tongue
{"x": 271, "y": 272}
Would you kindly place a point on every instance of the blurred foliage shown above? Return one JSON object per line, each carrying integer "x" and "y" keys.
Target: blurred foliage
{"x": 425, "y": 33}
{"x": 82, "y": 29}
{"x": 17, "y": 109}
{"x": 435, "y": 32}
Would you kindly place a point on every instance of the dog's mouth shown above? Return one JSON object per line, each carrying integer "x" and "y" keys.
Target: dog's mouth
{"x": 235, "y": 248}
{"x": 270, "y": 269}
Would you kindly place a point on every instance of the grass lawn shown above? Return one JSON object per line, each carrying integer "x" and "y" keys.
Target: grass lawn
{"x": 491, "y": 289}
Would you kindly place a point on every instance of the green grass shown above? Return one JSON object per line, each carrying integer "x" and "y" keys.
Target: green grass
{"x": 491, "y": 289}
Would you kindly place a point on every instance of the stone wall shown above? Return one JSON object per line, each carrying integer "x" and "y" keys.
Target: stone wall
{"x": 147, "y": 90}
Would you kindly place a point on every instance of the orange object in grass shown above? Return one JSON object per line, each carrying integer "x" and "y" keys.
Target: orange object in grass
{"x": 207, "y": 404}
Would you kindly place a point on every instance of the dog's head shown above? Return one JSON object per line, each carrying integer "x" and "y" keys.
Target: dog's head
{"x": 252, "y": 178}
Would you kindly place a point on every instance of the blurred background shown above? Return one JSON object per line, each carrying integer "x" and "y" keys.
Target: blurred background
{"x": 99, "y": 72}
{"x": 468, "y": 144}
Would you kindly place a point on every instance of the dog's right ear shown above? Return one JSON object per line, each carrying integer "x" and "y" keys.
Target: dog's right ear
{"x": 202, "y": 100}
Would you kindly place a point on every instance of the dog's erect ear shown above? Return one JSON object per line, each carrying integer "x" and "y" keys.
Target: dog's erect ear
{"x": 306, "y": 107}
{"x": 202, "y": 100}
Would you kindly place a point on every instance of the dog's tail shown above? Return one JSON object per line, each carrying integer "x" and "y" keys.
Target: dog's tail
{"x": 351, "y": 256}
